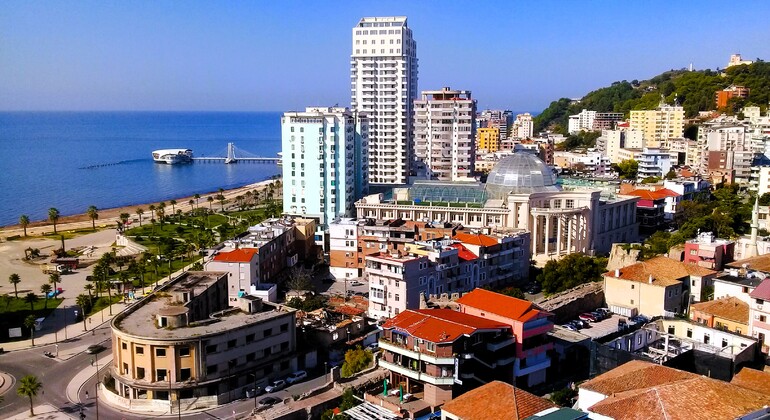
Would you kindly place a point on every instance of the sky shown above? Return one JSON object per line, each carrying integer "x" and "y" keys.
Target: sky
{"x": 286, "y": 55}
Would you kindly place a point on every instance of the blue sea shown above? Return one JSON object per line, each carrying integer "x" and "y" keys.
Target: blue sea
{"x": 72, "y": 160}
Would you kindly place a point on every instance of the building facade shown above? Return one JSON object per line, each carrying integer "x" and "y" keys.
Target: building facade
{"x": 659, "y": 125}
{"x": 488, "y": 139}
{"x": 383, "y": 77}
{"x": 523, "y": 127}
{"x": 445, "y": 133}
{"x": 325, "y": 162}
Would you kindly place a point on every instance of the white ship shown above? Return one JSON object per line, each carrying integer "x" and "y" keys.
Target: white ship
{"x": 172, "y": 156}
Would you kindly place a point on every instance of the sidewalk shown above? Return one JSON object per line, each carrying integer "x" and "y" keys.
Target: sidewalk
{"x": 43, "y": 412}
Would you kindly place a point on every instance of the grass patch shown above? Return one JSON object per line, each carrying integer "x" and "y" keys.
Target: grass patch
{"x": 13, "y": 305}
{"x": 13, "y": 312}
{"x": 102, "y": 303}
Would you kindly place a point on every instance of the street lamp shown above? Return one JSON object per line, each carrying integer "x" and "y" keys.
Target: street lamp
{"x": 65, "y": 322}
{"x": 95, "y": 362}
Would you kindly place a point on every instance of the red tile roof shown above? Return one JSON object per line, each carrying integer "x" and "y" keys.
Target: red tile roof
{"x": 634, "y": 375}
{"x": 755, "y": 380}
{"x": 238, "y": 255}
{"x": 653, "y": 195}
{"x": 664, "y": 271}
{"x": 464, "y": 253}
{"x": 496, "y": 400}
{"x": 475, "y": 239}
{"x": 502, "y": 305}
{"x": 439, "y": 325}
{"x": 729, "y": 307}
{"x": 762, "y": 291}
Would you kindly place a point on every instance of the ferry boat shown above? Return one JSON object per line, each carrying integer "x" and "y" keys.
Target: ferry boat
{"x": 172, "y": 156}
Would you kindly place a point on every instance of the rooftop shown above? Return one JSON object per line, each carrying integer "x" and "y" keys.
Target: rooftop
{"x": 464, "y": 253}
{"x": 738, "y": 279}
{"x": 475, "y": 239}
{"x": 634, "y": 375}
{"x": 238, "y": 255}
{"x": 762, "y": 291}
{"x": 502, "y": 305}
{"x": 755, "y": 380}
{"x": 759, "y": 263}
{"x": 439, "y": 325}
{"x": 729, "y": 307}
{"x": 709, "y": 398}
{"x": 663, "y": 270}
{"x": 495, "y": 398}
{"x": 653, "y": 195}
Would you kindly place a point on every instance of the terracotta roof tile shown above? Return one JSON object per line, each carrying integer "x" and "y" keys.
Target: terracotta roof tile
{"x": 494, "y": 400}
{"x": 762, "y": 291}
{"x": 755, "y": 380}
{"x": 439, "y": 325}
{"x": 664, "y": 271}
{"x": 237, "y": 255}
{"x": 759, "y": 263}
{"x": 634, "y": 375}
{"x": 681, "y": 400}
{"x": 502, "y": 305}
{"x": 475, "y": 239}
{"x": 729, "y": 307}
{"x": 464, "y": 253}
{"x": 653, "y": 195}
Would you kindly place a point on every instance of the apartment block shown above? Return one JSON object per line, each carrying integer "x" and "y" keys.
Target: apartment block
{"x": 759, "y": 315}
{"x": 708, "y": 251}
{"x": 584, "y": 121}
{"x": 445, "y": 133}
{"x": 325, "y": 162}
{"x": 496, "y": 118}
{"x": 488, "y": 139}
{"x": 522, "y": 127}
{"x": 723, "y": 96}
{"x": 383, "y": 76}
{"x": 607, "y": 120}
{"x": 659, "y": 125}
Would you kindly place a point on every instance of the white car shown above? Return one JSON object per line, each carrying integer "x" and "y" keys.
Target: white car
{"x": 297, "y": 376}
{"x": 277, "y": 385}
{"x": 356, "y": 283}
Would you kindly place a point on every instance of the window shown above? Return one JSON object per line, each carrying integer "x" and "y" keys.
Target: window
{"x": 724, "y": 342}
{"x": 184, "y": 352}
{"x": 160, "y": 374}
{"x": 160, "y": 352}
{"x": 139, "y": 350}
{"x": 250, "y": 338}
{"x": 124, "y": 346}
{"x": 212, "y": 369}
{"x": 284, "y": 327}
{"x": 672, "y": 330}
{"x": 689, "y": 333}
{"x": 140, "y": 373}
{"x": 285, "y": 345}
{"x": 639, "y": 339}
{"x": 763, "y": 318}
{"x": 633, "y": 286}
{"x": 570, "y": 204}
{"x": 397, "y": 298}
{"x": 184, "y": 374}
{"x": 268, "y": 332}
{"x": 706, "y": 338}
{"x": 430, "y": 346}
{"x": 211, "y": 349}
{"x": 693, "y": 252}
{"x": 231, "y": 344}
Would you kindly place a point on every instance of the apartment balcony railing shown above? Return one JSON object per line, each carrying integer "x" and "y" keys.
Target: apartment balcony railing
{"x": 402, "y": 349}
{"x": 420, "y": 376}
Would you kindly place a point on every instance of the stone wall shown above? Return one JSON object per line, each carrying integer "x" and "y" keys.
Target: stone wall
{"x": 569, "y": 304}
{"x": 620, "y": 258}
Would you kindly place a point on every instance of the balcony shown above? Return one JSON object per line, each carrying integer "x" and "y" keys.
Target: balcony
{"x": 420, "y": 376}
{"x": 521, "y": 371}
{"x": 497, "y": 345}
{"x": 416, "y": 355}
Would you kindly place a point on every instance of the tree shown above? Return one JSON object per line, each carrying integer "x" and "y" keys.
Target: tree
{"x": 152, "y": 210}
{"x": 29, "y": 386}
{"x": 173, "y": 206}
{"x": 512, "y": 292}
{"x": 85, "y": 303}
{"x": 356, "y": 360}
{"x": 299, "y": 279}
{"x": 88, "y": 288}
{"x": 31, "y": 298}
{"x": 221, "y": 199}
{"x": 54, "y": 278}
{"x": 53, "y": 216}
{"x": 24, "y": 222}
{"x": 124, "y": 218}
{"x": 197, "y": 197}
{"x": 15, "y": 279}
{"x": 210, "y": 199}
{"x": 4, "y": 298}
{"x": 140, "y": 212}
{"x": 764, "y": 199}
{"x": 30, "y": 323}
{"x": 45, "y": 289}
{"x": 572, "y": 270}
{"x": 626, "y": 169}
{"x": 93, "y": 214}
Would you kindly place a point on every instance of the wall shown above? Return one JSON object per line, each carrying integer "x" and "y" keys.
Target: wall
{"x": 620, "y": 258}
{"x": 569, "y": 304}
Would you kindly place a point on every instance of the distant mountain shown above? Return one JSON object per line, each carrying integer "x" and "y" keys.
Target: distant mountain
{"x": 694, "y": 90}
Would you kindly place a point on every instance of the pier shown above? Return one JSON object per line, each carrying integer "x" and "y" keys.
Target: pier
{"x": 233, "y": 157}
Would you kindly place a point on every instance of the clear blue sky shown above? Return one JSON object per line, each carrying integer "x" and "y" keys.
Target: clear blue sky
{"x": 285, "y": 55}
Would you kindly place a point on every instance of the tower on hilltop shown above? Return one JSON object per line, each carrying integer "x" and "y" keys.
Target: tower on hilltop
{"x": 383, "y": 74}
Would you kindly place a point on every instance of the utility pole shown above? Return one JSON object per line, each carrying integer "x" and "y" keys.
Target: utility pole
{"x": 96, "y": 385}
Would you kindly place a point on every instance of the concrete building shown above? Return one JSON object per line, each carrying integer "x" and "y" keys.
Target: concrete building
{"x": 659, "y": 125}
{"x": 607, "y": 120}
{"x": 651, "y": 208}
{"x": 737, "y": 60}
{"x": 656, "y": 287}
{"x": 185, "y": 346}
{"x": 653, "y": 162}
{"x": 708, "y": 251}
{"x": 325, "y": 162}
{"x": 728, "y": 314}
{"x": 520, "y": 194}
{"x": 611, "y": 142}
{"x": 497, "y": 118}
{"x": 487, "y": 139}
{"x": 584, "y": 121}
{"x": 592, "y": 162}
{"x": 242, "y": 267}
{"x": 723, "y": 96}
{"x": 522, "y": 127}
{"x": 759, "y": 315}
{"x": 445, "y": 133}
{"x": 383, "y": 77}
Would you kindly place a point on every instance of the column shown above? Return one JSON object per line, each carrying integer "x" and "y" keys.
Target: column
{"x": 578, "y": 235}
{"x": 547, "y": 233}
{"x": 570, "y": 232}
{"x": 558, "y": 235}
{"x": 534, "y": 235}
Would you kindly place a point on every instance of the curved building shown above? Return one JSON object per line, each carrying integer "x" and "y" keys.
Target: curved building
{"x": 521, "y": 193}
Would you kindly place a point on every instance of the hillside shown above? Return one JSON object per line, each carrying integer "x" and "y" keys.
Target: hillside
{"x": 694, "y": 90}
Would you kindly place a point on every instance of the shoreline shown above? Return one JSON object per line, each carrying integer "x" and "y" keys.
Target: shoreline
{"x": 111, "y": 215}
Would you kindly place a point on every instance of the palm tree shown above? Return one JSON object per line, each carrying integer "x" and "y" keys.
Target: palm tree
{"x": 162, "y": 205}
{"x": 210, "y": 199}
{"x": 161, "y": 212}
{"x": 197, "y": 197}
{"x": 173, "y": 206}
{"x": 124, "y": 218}
{"x": 85, "y": 306}
{"x": 54, "y": 278}
{"x": 93, "y": 214}
{"x": 31, "y": 298}
{"x": 53, "y": 216}
{"x": 30, "y": 322}
{"x": 29, "y": 386}
{"x": 152, "y": 209}
{"x": 24, "y": 222}
{"x": 14, "y": 279}
{"x": 192, "y": 205}
{"x": 140, "y": 212}
{"x": 88, "y": 288}
{"x": 45, "y": 289}
{"x": 221, "y": 199}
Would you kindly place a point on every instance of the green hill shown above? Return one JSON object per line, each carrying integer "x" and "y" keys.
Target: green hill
{"x": 693, "y": 89}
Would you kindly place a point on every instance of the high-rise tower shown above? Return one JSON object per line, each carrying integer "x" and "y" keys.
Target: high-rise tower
{"x": 383, "y": 75}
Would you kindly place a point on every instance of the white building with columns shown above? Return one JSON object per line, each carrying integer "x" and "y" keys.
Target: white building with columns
{"x": 521, "y": 193}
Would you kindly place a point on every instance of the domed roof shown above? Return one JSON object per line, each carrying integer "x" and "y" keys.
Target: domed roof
{"x": 520, "y": 173}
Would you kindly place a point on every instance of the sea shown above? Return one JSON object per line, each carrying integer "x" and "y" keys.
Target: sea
{"x": 72, "y": 160}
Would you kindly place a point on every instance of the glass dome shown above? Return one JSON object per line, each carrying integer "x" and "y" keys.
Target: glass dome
{"x": 520, "y": 173}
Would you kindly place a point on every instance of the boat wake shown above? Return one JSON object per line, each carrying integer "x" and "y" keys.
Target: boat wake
{"x": 104, "y": 165}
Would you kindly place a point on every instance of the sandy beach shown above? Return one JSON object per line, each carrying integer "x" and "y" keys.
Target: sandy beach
{"x": 108, "y": 217}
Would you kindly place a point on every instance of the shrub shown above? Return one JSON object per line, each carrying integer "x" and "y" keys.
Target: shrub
{"x": 356, "y": 360}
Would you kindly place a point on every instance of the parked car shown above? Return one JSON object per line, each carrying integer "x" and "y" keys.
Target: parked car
{"x": 569, "y": 327}
{"x": 598, "y": 315}
{"x": 95, "y": 348}
{"x": 253, "y": 392}
{"x": 268, "y": 401}
{"x": 588, "y": 317}
{"x": 356, "y": 283}
{"x": 276, "y": 385}
{"x": 640, "y": 319}
{"x": 297, "y": 376}
{"x": 578, "y": 324}
{"x": 534, "y": 289}
{"x": 606, "y": 312}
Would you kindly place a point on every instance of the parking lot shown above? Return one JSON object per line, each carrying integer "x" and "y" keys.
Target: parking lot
{"x": 605, "y": 327}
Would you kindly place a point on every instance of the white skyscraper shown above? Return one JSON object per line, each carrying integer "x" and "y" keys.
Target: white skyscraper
{"x": 383, "y": 74}
{"x": 445, "y": 133}
{"x": 325, "y": 165}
